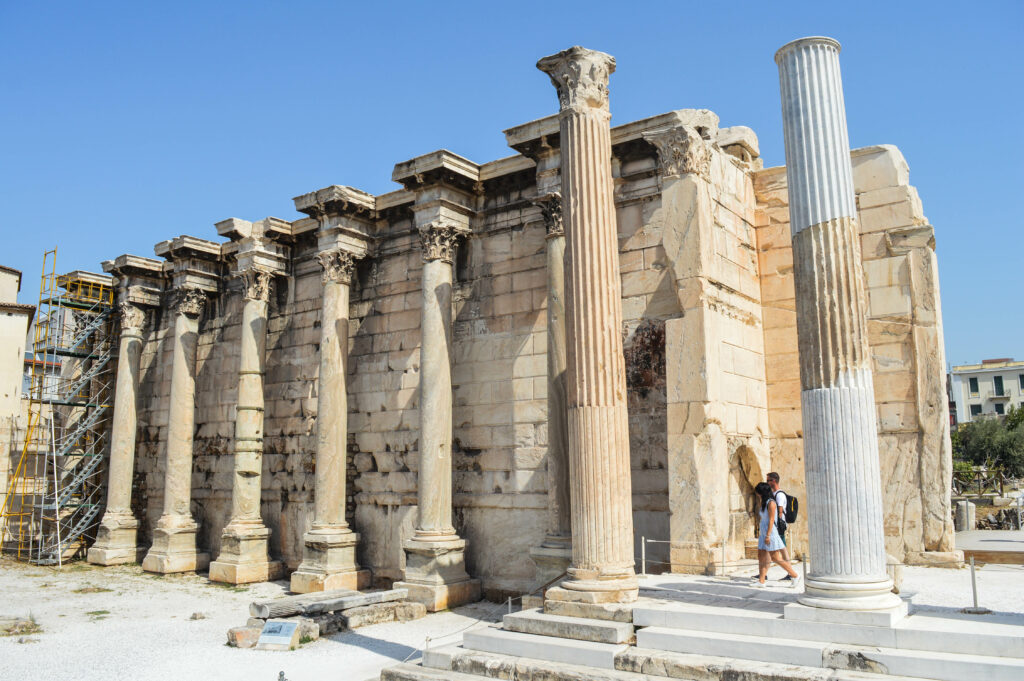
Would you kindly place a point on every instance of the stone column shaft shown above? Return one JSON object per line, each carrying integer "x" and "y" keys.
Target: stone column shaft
{"x": 332, "y": 410}
{"x": 559, "y": 499}
{"x": 435, "y": 572}
{"x": 174, "y": 538}
{"x": 115, "y": 541}
{"x": 844, "y": 499}
{"x": 245, "y": 493}
{"x": 435, "y": 488}
{"x": 329, "y": 555}
{"x": 244, "y": 542}
{"x": 602, "y": 521}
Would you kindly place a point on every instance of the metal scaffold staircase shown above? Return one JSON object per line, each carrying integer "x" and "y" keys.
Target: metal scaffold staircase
{"x": 55, "y": 492}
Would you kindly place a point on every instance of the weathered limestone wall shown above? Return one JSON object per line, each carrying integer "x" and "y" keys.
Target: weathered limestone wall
{"x": 709, "y": 339}
{"x": 905, "y": 336}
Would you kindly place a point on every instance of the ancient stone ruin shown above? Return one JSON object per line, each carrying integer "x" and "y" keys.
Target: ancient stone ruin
{"x": 502, "y": 371}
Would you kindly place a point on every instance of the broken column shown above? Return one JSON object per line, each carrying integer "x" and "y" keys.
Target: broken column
{"x": 194, "y": 277}
{"x": 435, "y": 572}
{"x": 599, "y": 468}
{"x": 846, "y": 535}
{"x": 329, "y": 552}
{"x": 244, "y": 555}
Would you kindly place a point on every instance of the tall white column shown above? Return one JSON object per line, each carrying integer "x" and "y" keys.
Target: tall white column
{"x": 844, "y": 499}
{"x": 329, "y": 556}
{"x": 116, "y": 537}
{"x": 599, "y": 470}
{"x": 244, "y": 543}
{"x": 435, "y": 571}
{"x": 554, "y": 555}
{"x": 174, "y": 538}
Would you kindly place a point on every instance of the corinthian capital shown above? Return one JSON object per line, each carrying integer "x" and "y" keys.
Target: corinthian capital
{"x": 189, "y": 301}
{"x": 681, "y": 150}
{"x": 338, "y": 266}
{"x": 133, "y": 318}
{"x": 551, "y": 208}
{"x": 438, "y": 239}
{"x": 256, "y": 284}
{"x": 581, "y": 77}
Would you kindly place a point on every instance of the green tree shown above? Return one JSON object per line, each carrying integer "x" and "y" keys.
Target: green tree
{"x": 992, "y": 442}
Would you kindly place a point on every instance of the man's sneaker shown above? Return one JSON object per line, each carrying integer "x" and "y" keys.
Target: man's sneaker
{"x": 787, "y": 578}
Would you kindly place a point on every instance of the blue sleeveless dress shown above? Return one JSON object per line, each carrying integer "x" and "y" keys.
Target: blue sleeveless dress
{"x": 762, "y": 543}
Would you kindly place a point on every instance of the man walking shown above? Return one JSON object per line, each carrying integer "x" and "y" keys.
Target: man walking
{"x": 780, "y": 502}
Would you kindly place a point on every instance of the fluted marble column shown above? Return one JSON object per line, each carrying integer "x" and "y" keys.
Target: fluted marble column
{"x": 599, "y": 472}
{"x": 329, "y": 555}
{"x": 174, "y": 538}
{"x": 435, "y": 571}
{"x": 243, "y": 549}
{"x": 844, "y": 499}
{"x": 553, "y": 556}
{"x": 115, "y": 539}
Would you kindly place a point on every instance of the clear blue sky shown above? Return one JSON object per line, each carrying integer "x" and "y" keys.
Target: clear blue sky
{"x": 126, "y": 123}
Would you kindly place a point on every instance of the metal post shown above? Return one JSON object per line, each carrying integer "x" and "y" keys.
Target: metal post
{"x": 643, "y": 556}
{"x": 510, "y": 605}
{"x": 974, "y": 584}
{"x": 723, "y": 558}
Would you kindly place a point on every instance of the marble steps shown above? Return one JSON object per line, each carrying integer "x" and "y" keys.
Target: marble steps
{"x": 535, "y": 621}
{"x": 875, "y": 659}
{"x": 635, "y": 664}
{"x": 554, "y": 649}
{"x": 457, "y": 660}
{"x": 918, "y": 632}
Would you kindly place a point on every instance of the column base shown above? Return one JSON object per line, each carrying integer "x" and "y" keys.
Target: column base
{"x": 887, "y": 617}
{"x": 850, "y": 596}
{"x": 174, "y": 547}
{"x": 552, "y": 558}
{"x": 329, "y": 562}
{"x": 438, "y": 597}
{"x": 435, "y": 573}
{"x": 115, "y": 540}
{"x": 243, "y": 557}
{"x": 598, "y": 585}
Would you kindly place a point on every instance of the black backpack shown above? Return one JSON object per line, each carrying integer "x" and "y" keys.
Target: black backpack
{"x": 792, "y": 506}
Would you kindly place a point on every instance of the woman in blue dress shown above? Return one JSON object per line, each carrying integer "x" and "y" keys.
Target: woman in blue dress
{"x": 769, "y": 543}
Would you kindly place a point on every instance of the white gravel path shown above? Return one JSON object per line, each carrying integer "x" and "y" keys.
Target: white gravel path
{"x": 140, "y": 629}
{"x": 148, "y": 634}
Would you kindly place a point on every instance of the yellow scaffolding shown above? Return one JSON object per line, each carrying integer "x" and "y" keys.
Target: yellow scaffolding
{"x": 54, "y": 493}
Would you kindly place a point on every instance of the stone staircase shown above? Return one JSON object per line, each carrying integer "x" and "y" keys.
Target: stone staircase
{"x": 676, "y": 640}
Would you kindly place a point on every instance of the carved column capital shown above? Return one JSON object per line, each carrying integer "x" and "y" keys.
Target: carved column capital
{"x": 438, "y": 239}
{"x": 256, "y": 284}
{"x": 338, "y": 264}
{"x": 189, "y": 301}
{"x": 581, "y": 77}
{"x": 551, "y": 208}
{"x": 133, "y": 317}
{"x": 681, "y": 151}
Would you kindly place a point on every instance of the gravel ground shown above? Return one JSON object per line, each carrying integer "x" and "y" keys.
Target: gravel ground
{"x": 120, "y": 623}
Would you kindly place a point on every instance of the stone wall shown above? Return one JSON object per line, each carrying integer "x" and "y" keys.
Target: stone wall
{"x": 710, "y": 348}
{"x": 905, "y": 335}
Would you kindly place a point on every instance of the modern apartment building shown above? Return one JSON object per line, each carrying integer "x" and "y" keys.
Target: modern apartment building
{"x": 991, "y": 387}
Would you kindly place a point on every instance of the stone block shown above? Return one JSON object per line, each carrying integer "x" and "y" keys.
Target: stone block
{"x": 878, "y": 167}
{"x": 614, "y": 612}
{"x": 583, "y": 653}
{"x": 540, "y": 623}
{"x": 244, "y": 637}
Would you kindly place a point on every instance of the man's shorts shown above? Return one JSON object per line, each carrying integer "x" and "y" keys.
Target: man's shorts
{"x": 781, "y": 527}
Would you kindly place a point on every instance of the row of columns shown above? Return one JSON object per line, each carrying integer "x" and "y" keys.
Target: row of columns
{"x": 590, "y": 484}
